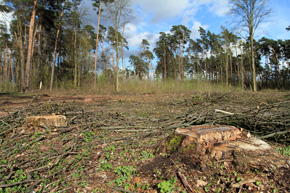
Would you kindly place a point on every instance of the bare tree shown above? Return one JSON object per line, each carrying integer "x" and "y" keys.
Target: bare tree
{"x": 248, "y": 14}
{"x": 30, "y": 43}
{"x": 98, "y": 4}
{"x": 118, "y": 11}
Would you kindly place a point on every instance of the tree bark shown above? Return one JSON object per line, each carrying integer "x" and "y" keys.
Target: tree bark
{"x": 12, "y": 72}
{"x": 75, "y": 56}
{"x": 22, "y": 59}
{"x": 253, "y": 64}
{"x": 117, "y": 56}
{"x": 102, "y": 54}
{"x": 113, "y": 57}
{"x": 5, "y": 71}
{"x": 204, "y": 61}
{"x": 164, "y": 61}
{"x": 231, "y": 66}
{"x": 29, "y": 50}
{"x": 181, "y": 58}
{"x": 122, "y": 47}
{"x": 32, "y": 67}
{"x": 242, "y": 71}
{"x": 39, "y": 54}
{"x": 227, "y": 69}
{"x": 97, "y": 42}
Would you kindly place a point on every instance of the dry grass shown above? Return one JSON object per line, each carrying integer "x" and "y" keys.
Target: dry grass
{"x": 158, "y": 87}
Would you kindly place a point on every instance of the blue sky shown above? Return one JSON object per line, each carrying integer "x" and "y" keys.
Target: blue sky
{"x": 154, "y": 16}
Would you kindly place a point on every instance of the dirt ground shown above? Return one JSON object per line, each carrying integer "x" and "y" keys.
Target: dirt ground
{"x": 111, "y": 143}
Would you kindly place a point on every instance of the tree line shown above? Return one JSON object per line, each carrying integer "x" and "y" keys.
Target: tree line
{"x": 51, "y": 42}
{"x": 223, "y": 58}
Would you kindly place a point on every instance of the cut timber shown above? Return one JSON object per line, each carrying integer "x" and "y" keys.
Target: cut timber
{"x": 50, "y": 120}
{"x": 218, "y": 141}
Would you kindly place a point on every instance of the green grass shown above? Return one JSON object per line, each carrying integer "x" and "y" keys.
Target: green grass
{"x": 284, "y": 151}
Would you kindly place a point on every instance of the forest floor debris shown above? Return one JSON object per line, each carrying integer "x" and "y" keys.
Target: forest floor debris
{"x": 111, "y": 143}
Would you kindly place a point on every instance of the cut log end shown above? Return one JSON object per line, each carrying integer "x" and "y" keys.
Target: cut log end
{"x": 219, "y": 141}
{"x": 51, "y": 120}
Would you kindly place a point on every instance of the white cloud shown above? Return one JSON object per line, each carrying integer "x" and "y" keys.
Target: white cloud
{"x": 134, "y": 37}
{"x": 188, "y": 15}
{"x": 220, "y": 8}
{"x": 130, "y": 29}
{"x": 162, "y": 9}
{"x": 194, "y": 30}
{"x": 217, "y": 7}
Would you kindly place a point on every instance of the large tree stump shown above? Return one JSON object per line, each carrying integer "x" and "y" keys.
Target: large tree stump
{"x": 218, "y": 141}
{"x": 222, "y": 144}
{"x": 48, "y": 120}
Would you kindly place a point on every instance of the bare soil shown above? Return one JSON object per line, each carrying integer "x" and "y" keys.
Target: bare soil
{"x": 111, "y": 143}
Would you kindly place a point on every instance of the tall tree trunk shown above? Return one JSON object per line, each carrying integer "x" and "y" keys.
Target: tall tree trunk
{"x": 75, "y": 56}
{"x": 238, "y": 72}
{"x": 210, "y": 64}
{"x": 279, "y": 71}
{"x": 102, "y": 54}
{"x": 164, "y": 61}
{"x": 55, "y": 46}
{"x": 221, "y": 69}
{"x": 242, "y": 71}
{"x": 79, "y": 72}
{"x": 113, "y": 57}
{"x": 28, "y": 62}
{"x": 5, "y": 71}
{"x": 231, "y": 65}
{"x": 253, "y": 64}
{"x": 1, "y": 73}
{"x": 204, "y": 61}
{"x": 149, "y": 63}
{"x": 227, "y": 69}
{"x": 97, "y": 42}
{"x": 217, "y": 70}
{"x": 181, "y": 58}
{"x": 221, "y": 65}
{"x": 38, "y": 55}
{"x": 237, "y": 66}
{"x": 117, "y": 57}
{"x": 122, "y": 46}
{"x": 22, "y": 57}
{"x": 12, "y": 72}
{"x": 32, "y": 67}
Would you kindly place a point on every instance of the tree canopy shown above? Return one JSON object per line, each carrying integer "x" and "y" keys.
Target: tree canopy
{"x": 57, "y": 46}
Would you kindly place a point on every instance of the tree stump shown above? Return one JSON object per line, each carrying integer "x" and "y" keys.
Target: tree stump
{"x": 48, "y": 120}
{"x": 215, "y": 141}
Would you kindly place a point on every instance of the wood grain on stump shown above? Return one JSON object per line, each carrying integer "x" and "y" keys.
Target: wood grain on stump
{"x": 219, "y": 141}
{"x": 49, "y": 120}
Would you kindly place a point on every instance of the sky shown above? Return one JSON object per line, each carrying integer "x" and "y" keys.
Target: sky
{"x": 154, "y": 16}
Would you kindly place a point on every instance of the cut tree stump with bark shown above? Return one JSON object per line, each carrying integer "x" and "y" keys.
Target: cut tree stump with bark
{"x": 48, "y": 120}
{"x": 220, "y": 142}
{"x": 201, "y": 138}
